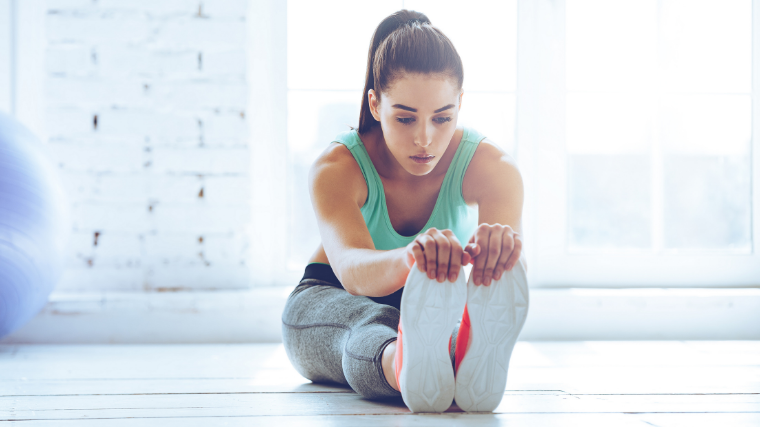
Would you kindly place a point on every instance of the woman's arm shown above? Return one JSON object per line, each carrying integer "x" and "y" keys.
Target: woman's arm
{"x": 493, "y": 181}
{"x": 338, "y": 190}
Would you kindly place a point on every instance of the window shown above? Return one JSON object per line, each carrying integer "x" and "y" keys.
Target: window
{"x": 646, "y": 177}
{"x": 631, "y": 122}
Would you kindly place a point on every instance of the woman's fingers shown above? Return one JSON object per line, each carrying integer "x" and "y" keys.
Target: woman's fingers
{"x": 494, "y": 251}
{"x": 472, "y": 250}
{"x": 444, "y": 253}
{"x": 439, "y": 253}
{"x": 415, "y": 254}
{"x": 481, "y": 238}
{"x": 515, "y": 256}
{"x": 507, "y": 246}
{"x": 431, "y": 254}
{"x": 455, "y": 259}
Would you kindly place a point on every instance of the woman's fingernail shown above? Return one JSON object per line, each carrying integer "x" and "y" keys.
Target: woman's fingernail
{"x": 442, "y": 277}
{"x": 431, "y": 274}
{"x": 453, "y": 277}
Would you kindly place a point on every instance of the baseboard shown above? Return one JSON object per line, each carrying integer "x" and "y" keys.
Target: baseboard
{"x": 254, "y": 316}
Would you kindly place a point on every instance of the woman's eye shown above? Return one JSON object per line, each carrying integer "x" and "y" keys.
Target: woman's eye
{"x": 407, "y": 120}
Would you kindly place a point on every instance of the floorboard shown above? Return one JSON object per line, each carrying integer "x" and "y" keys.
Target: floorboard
{"x": 627, "y": 383}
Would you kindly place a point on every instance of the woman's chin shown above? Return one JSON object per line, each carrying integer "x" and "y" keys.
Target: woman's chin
{"x": 420, "y": 169}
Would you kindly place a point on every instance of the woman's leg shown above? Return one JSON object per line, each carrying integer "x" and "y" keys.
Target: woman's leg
{"x": 389, "y": 354}
{"x": 333, "y": 336}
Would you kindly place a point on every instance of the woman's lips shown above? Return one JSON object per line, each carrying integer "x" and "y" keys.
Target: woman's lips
{"x": 427, "y": 159}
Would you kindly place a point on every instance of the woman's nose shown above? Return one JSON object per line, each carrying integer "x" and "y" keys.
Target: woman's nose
{"x": 424, "y": 137}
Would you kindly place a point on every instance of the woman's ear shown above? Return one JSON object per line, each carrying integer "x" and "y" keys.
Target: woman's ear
{"x": 373, "y": 104}
{"x": 460, "y": 99}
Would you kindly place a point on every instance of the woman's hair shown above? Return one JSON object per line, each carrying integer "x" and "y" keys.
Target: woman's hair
{"x": 406, "y": 42}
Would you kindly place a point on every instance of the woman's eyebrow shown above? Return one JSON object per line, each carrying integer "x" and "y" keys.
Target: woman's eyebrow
{"x": 404, "y": 107}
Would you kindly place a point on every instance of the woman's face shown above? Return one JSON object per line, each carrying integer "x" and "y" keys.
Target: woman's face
{"x": 418, "y": 115}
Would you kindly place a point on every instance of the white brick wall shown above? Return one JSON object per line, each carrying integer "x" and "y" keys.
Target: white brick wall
{"x": 146, "y": 104}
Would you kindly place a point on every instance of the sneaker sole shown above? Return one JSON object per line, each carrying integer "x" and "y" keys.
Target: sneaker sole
{"x": 429, "y": 313}
{"x": 497, "y": 315}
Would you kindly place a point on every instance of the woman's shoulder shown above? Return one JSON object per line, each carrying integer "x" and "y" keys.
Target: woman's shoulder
{"x": 338, "y": 152}
{"x": 487, "y": 152}
{"x": 336, "y": 156}
{"x": 472, "y": 135}
{"x": 336, "y": 166}
{"x": 349, "y": 138}
{"x": 490, "y": 163}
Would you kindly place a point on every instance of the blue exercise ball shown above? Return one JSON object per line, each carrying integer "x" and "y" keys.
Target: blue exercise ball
{"x": 34, "y": 225}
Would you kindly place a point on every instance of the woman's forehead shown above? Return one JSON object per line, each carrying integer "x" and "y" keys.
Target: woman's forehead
{"x": 423, "y": 92}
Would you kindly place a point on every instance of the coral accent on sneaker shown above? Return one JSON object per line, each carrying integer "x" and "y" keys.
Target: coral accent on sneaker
{"x": 463, "y": 339}
{"x": 398, "y": 357}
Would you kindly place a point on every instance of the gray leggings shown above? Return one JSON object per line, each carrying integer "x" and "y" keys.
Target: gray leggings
{"x": 332, "y": 336}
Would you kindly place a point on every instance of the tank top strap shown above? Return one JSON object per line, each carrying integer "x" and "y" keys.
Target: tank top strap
{"x": 351, "y": 140}
{"x": 469, "y": 143}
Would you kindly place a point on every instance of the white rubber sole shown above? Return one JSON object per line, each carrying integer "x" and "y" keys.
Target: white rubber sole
{"x": 429, "y": 313}
{"x": 497, "y": 315}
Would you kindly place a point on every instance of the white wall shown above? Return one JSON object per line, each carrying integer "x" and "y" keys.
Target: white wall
{"x": 145, "y": 114}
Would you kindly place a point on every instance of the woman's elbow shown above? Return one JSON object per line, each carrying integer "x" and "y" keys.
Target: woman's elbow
{"x": 346, "y": 285}
{"x": 352, "y": 291}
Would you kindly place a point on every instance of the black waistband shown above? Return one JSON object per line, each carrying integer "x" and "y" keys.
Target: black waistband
{"x": 325, "y": 273}
{"x": 322, "y": 272}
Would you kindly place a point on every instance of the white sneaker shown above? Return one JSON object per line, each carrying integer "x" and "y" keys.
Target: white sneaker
{"x": 497, "y": 314}
{"x": 429, "y": 313}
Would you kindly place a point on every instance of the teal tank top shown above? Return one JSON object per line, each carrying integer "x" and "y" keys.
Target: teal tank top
{"x": 450, "y": 210}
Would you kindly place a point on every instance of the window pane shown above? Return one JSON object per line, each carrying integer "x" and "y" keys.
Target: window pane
{"x": 492, "y": 114}
{"x": 707, "y": 202}
{"x": 608, "y": 123}
{"x": 706, "y": 124}
{"x": 705, "y": 46}
{"x": 329, "y": 50}
{"x": 610, "y": 45}
{"x": 667, "y": 81}
{"x": 314, "y": 119}
{"x": 608, "y": 201}
{"x": 707, "y": 171}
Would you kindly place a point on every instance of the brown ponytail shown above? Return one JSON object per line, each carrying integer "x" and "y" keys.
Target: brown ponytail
{"x": 405, "y": 42}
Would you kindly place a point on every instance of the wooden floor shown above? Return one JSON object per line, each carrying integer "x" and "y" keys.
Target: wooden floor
{"x": 620, "y": 384}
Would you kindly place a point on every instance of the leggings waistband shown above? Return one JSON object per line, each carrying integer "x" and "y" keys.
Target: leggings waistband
{"x": 323, "y": 272}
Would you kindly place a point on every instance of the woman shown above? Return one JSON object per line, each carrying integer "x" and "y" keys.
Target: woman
{"x": 394, "y": 199}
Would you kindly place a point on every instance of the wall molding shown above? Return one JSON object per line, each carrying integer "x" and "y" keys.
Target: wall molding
{"x": 254, "y": 316}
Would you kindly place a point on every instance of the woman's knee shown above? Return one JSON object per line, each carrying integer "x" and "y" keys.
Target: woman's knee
{"x": 379, "y": 314}
{"x": 311, "y": 355}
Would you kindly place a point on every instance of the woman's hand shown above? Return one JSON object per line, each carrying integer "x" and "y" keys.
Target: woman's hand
{"x": 439, "y": 253}
{"x": 498, "y": 249}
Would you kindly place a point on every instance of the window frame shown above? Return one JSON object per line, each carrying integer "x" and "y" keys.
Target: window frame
{"x": 22, "y": 63}
{"x": 7, "y": 53}
{"x": 268, "y": 130}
